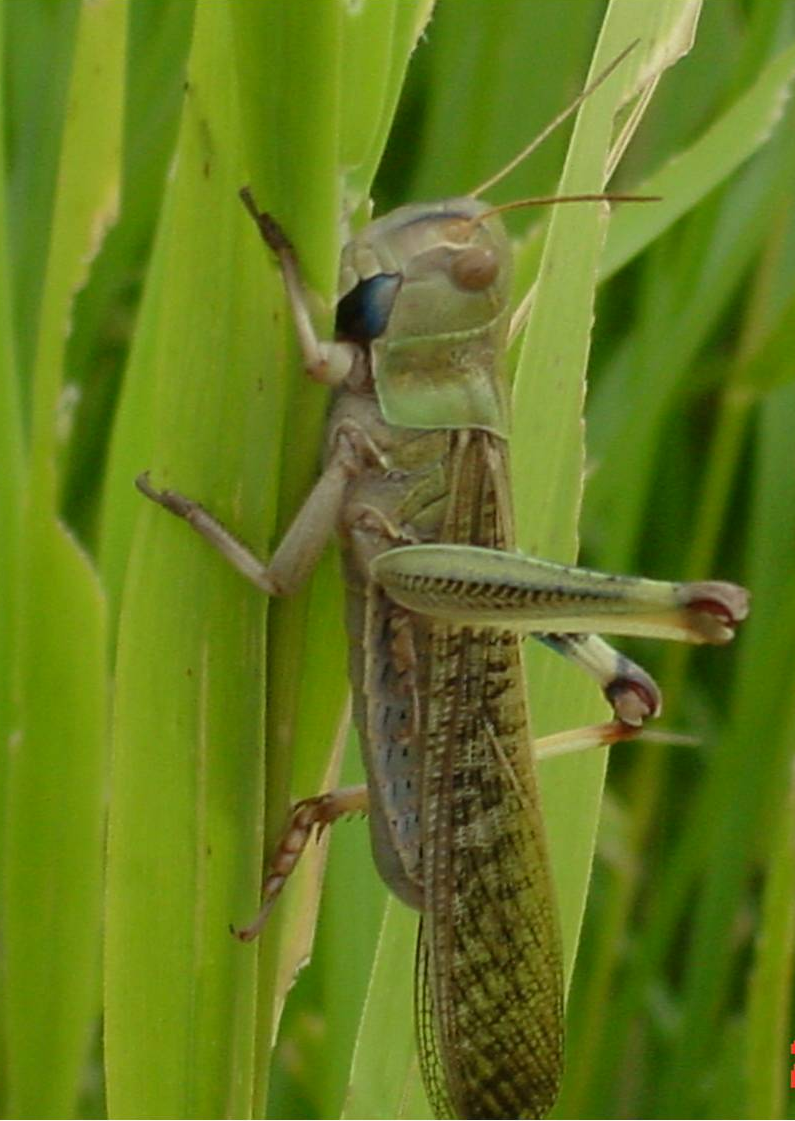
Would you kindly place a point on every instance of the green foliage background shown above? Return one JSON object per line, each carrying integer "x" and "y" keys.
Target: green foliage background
{"x": 156, "y": 712}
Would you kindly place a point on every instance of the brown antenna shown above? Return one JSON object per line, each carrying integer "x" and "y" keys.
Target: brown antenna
{"x": 553, "y": 124}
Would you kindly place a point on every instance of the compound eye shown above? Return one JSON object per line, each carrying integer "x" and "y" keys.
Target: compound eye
{"x": 363, "y": 313}
{"x": 474, "y": 269}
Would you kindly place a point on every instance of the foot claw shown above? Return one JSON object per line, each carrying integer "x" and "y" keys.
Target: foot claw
{"x": 716, "y": 608}
{"x": 634, "y": 699}
{"x": 169, "y": 499}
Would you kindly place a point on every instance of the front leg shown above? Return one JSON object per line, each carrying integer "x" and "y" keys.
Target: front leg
{"x": 303, "y": 543}
{"x": 328, "y": 362}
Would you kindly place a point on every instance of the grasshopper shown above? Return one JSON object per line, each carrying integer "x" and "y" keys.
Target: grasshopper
{"x": 416, "y": 482}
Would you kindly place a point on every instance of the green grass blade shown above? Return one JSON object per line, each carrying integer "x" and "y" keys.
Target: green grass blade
{"x": 380, "y": 38}
{"x": 548, "y": 481}
{"x": 158, "y": 37}
{"x": 56, "y": 775}
{"x": 185, "y": 819}
{"x": 11, "y": 454}
{"x": 383, "y": 1076}
{"x": 229, "y": 364}
{"x": 694, "y": 285}
{"x": 311, "y": 127}
{"x": 710, "y": 258}
{"x": 34, "y": 32}
{"x": 307, "y": 715}
{"x": 769, "y": 999}
{"x": 743, "y": 780}
{"x": 692, "y": 174}
{"x": 291, "y": 128}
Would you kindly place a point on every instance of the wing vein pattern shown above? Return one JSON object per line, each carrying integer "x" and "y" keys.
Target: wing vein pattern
{"x": 488, "y": 984}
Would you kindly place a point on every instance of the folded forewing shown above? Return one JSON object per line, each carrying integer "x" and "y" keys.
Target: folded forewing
{"x": 492, "y": 979}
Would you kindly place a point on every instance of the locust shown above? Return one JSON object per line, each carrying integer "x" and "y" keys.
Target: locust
{"x": 416, "y": 482}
